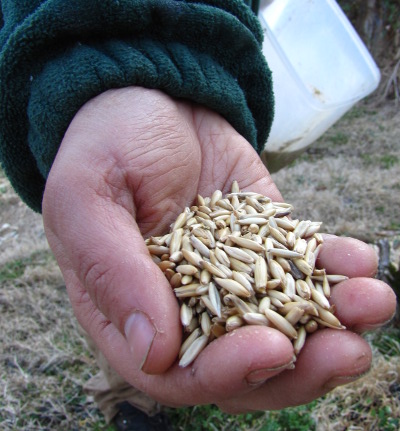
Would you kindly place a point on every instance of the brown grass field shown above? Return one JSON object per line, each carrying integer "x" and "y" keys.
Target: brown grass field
{"x": 349, "y": 179}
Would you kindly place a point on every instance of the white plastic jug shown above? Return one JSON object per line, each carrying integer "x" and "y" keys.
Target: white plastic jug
{"x": 320, "y": 69}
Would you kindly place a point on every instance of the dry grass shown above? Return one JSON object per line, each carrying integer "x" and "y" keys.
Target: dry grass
{"x": 43, "y": 358}
{"x": 350, "y": 180}
{"x": 369, "y": 404}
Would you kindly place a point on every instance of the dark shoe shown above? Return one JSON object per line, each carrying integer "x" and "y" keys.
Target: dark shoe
{"x": 130, "y": 418}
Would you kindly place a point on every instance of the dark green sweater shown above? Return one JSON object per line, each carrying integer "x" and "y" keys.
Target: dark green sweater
{"x": 57, "y": 54}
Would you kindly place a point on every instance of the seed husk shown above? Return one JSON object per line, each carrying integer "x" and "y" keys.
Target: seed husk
{"x": 305, "y": 319}
{"x": 328, "y": 324}
{"x": 175, "y": 280}
{"x": 260, "y": 274}
{"x": 284, "y": 253}
{"x": 199, "y": 232}
{"x": 213, "y": 257}
{"x": 216, "y": 196}
{"x": 309, "y": 306}
{"x": 194, "y": 323}
{"x": 201, "y": 247}
{"x": 205, "y": 323}
{"x": 166, "y": 264}
{"x": 295, "y": 272}
{"x": 303, "y": 289}
{"x": 277, "y": 271}
{"x": 252, "y": 220}
{"x": 215, "y": 299}
{"x": 303, "y": 266}
{"x": 251, "y": 253}
{"x": 284, "y": 263}
{"x": 332, "y": 278}
{"x": 278, "y": 235}
{"x": 209, "y": 305}
{"x": 234, "y": 287}
{"x": 227, "y": 271}
{"x": 264, "y": 230}
{"x": 180, "y": 221}
{"x": 276, "y": 304}
{"x": 240, "y": 278}
{"x": 186, "y": 279}
{"x": 222, "y": 256}
{"x": 300, "y": 340}
{"x": 310, "y": 258}
{"x": 255, "y": 319}
{"x": 188, "y": 341}
{"x": 285, "y": 223}
{"x": 217, "y": 330}
{"x": 235, "y": 227}
{"x": 233, "y": 322}
{"x": 205, "y": 277}
{"x": 294, "y": 315}
{"x": 311, "y": 326}
{"x": 290, "y": 287}
{"x": 176, "y": 257}
{"x": 238, "y": 254}
{"x": 312, "y": 229}
{"x": 241, "y": 306}
{"x": 157, "y": 250}
{"x": 240, "y": 266}
{"x": 192, "y": 258}
{"x": 264, "y": 304}
{"x": 214, "y": 270}
{"x": 273, "y": 283}
{"x": 329, "y": 317}
{"x": 186, "y": 314}
{"x": 193, "y": 351}
{"x": 186, "y": 245}
{"x": 279, "y": 295}
{"x": 187, "y": 269}
{"x": 301, "y": 228}
{"x": 290, "y": 239}
{"x": 311, "y": 245}
{"x": 247, "y": 243}
{"x": 187, "y": 291}
{"x": 176, "y": 241}
{"x": 281, "y": 323}
{"x": 320, "y": 299}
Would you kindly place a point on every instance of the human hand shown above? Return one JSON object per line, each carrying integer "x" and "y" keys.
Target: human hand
{"x": 130, "y": 161}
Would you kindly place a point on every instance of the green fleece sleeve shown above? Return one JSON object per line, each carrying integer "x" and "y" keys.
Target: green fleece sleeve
{"x": 57, "y": 55}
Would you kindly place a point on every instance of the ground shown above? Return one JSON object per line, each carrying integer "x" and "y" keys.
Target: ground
{"x": 349, "y": 179}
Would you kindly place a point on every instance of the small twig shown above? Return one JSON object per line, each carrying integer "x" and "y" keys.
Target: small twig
{"x": 392, "y": 81}
{"x": 384, "y": 259}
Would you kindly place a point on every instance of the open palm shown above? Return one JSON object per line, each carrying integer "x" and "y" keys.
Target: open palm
{"x": 130, "y": 161}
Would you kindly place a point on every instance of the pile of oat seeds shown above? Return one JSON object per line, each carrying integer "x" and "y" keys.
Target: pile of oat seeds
{"x": 241, "y": 259}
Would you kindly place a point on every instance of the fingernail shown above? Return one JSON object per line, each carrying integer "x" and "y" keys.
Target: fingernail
{"x": 139, "y": 333}
{"x": 343, "y": 380}
{"x": 258, "y": 377}
{"x": 371, "y": 326}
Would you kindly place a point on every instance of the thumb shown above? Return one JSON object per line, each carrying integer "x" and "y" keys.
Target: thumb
{"x": 99, "y": 242}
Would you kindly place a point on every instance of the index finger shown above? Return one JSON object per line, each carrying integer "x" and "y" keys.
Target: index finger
{"x": 347, "y": 256}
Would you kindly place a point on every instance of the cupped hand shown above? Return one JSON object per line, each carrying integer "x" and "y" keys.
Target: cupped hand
{"x": 130, "y": 161}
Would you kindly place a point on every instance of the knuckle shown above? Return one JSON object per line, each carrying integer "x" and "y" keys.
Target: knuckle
{"x": 98, "y": 280}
